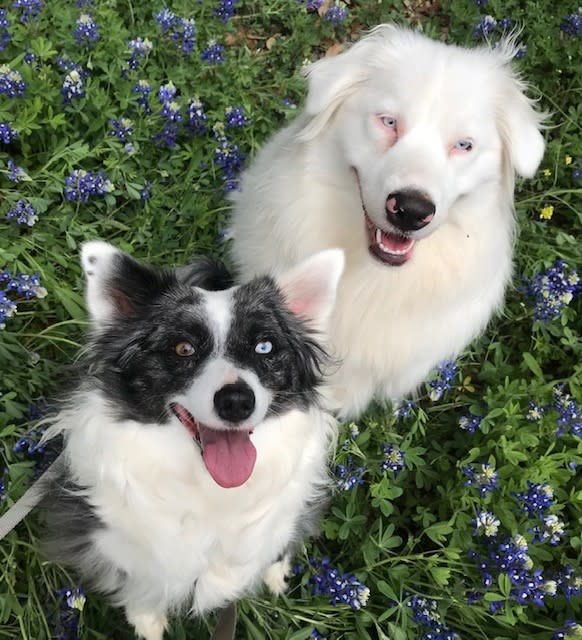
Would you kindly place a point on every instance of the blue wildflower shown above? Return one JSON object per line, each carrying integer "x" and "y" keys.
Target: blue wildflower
{"x": 171, "y": 111}
{"x": 570, "y": 582}
{"x": 29, "y": 9}
{"x": 535, "y": 412}
{"x": 572, "y": 24}
{"x": 350, "y": 475}
{"x": 196, "y": 119}
{"x": 235, "y": 117}
{"x": 571, "y": 631}
{"x": 167, "y": 92}
{"x": 81, "y": 185}
{"x": 5, "y": 35}
{"x": 23, "y": 213}
{"x": 138, "y": 49}
{"x": 143, "y": 88}
{"x": 73, "y": 86}
{"x": 393, "y": 458}
{"x": 146, "y": 192}
{"x": 213, "y": 53}
{"x": 486, "y": 523}
{"x": 313, "y": 5}
{"x": 121, "y": 129}
{"x": 404, "y": 409}
{"x": 30, "y": 58}
{"x": 425, "y": 612}
{"x": 167, "y": 20}
{"x": 228, "y": 157}
{"x": 22, "y": 284}
{"x": 482, "y": 476}
{"x": 336, "y": 14}
{"x": 485, "y": 27}
{"x": 11, "y": 82}
{"x": 288, "y": 103}
{"x": 470, "y": 423}
{"x": 552, "y": 290}
{"x": 72, "y": 602}
{"x": 7, "y": 133}
{"x": 521, "y": 51}
{"x": 226, "y": 9}
{"x": 480, "y": 3}
{"x": 536, "y": 499}
{"x": 7, "y": 308}
{"x": 577, "y": 173}
{"x": 87, "y": 32}
{"x": 15, "y": 173}
{"x": 339, "y": 588}
{"x": 446, "y": 374}
{"x": 569, "y": 412}
{"x": 182, "y": 31}
{"x": 550, "y": 530}
{"x": 505, "y": 23}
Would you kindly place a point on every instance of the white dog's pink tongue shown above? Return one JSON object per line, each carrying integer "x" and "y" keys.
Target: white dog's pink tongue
{"x": 396, "y": 244}
{"x": 229, "y": 456}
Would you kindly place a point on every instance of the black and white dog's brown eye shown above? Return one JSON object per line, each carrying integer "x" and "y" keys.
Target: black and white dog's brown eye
{"x": 184, "y": 349}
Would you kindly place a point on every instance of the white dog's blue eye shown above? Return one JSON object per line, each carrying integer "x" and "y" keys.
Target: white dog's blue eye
{"x": 264, "y": 347}
{"x": 389, "y": 122}
{"x": 464, "y": 145}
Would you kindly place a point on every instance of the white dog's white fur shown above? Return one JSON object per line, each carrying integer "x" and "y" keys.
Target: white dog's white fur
{"x": 398, "y": 108}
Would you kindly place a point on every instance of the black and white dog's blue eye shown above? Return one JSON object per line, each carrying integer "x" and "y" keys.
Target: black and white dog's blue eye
{"x": 264, "y": 347}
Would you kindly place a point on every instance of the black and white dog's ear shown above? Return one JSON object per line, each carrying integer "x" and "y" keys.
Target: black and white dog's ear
{"x": 206, "y": 273}
{"x": 310, "y": 288}
{"x": 116, "y": 284}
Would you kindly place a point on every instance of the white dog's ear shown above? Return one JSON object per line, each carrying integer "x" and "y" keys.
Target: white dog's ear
{"x": 331, "y": 80}
{"x": 116, "y": 285}
{"x": 520, "y": 130}
{"x": 310, "y": 288}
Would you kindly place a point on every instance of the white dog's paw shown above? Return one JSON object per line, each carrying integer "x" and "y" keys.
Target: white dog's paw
{"x": 149, "y": 626}
{"x": 275, "y": 576}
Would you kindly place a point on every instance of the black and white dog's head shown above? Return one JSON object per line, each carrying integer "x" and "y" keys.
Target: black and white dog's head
{"x": 178, "y": 344}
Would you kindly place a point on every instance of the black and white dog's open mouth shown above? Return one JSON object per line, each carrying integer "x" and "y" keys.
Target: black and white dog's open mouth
{"x": 388, "y": 247}
{"x": 228, "y": 454}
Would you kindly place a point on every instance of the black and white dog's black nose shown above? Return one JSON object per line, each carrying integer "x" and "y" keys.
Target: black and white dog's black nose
{"x": 234, "y": 402}
{"x": 409, "y": 209}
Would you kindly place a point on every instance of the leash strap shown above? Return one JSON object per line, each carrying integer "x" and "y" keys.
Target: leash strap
{"x": 24, "y": 505}
{"x": 226, "y": 625}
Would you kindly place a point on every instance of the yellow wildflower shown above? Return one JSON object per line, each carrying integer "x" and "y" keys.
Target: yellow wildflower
{"x": 567, "y": 160}
{"x": 547, "y": 173}
{"x": 547, "y": 212}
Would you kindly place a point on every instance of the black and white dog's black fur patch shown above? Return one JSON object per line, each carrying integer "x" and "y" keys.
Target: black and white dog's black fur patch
{"x": 195, "y": 445}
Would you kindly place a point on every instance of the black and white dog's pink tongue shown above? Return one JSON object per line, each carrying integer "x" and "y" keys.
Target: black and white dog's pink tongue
{"x": 229, "y": 456}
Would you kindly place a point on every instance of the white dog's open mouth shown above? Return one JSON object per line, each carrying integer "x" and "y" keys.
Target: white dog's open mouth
{"x": 390, "y": 248}
{"x": 229, "y": 455}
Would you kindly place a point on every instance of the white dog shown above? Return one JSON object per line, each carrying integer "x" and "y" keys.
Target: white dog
{"x": 404, "y": 156}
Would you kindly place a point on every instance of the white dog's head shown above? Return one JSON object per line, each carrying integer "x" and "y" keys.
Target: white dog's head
{"x": 423, "y": 125}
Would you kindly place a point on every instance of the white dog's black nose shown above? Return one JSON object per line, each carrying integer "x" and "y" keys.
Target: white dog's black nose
{"x": 234, "y": 402}
{"x": 409, "y": 209}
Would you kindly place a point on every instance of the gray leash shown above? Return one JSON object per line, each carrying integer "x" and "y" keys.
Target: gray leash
{"x": 24, "y": 505}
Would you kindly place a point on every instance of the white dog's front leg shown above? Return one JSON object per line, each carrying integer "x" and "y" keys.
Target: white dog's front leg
{"x": 149, "y": 626}
{"x": 275, "y": 576}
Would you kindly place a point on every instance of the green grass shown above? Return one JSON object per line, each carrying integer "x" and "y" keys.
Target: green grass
{"x": 401, "y": 533}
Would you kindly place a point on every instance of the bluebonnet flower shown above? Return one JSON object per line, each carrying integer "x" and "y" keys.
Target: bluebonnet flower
{"x": 551, "y": 529}
{"x": 505, "y": 23}
{"x": 235, "y": 117}
{"x": 87, "y": 32}
{"x": 29, "y": 9}
{"x": 7, "y": 308}
{"x": 30, "y": 443}
{"x": 482, "y": 476}
{"x": 288, "y": 103}
{"x": 11, "y": 82}
{"x": 571, "y": 631}
{"x": 138, "y": 48}
{"x": 550, "y": 291}
{"x": 166, "y": 92}
{"x": 404, "y": 409}
{"x": 27, "y": 286}
{"x": 570, "y": 582}
{"x": 196, "y": 119}
{"x": 336, "y": 14}
{"x": 313, "y": 5}
{"x": 2, "y": 483}
{"x": 5, "y": 35}
{"x": 23, "y": 213}
{"x": 393, "y": 458}
{"x": 171, "y": 111}
{"x": 7, "y": 133}
{"x": 572, "y": 24}
{"x": 15, "y": 173}
{"x": 425, "y": 613}
{"x": 354, "y": 430}
{"x": 143, "y": 88}
{"x": 228, "y": 157}
{"x": 181, "y": 30}
{"x": 226, "y": 9}
{"x": 213, "y": 53}
{"x": 315, "y": 634}
{"x": 576, "y": 173}
{"x": 129, "y": 148}
{"x": 64, "y": 63}
{"x": 486, "y": 523}
{"x": 521, "y": 51}
{"x": 536, "y": 499}
{"x": 146, "y": 192}
{"x": 569, "y": 412}
{"x": 339, "y": 588}
{"x": 480, "y": 3}
{"x": 535, "y": 412}
{"x": 167, "y": 20}
{"x": 446, "y": 374}
{"x": 72, "y": 602}
{"x": 81, "y": 185}
{"x": 349, "y": 476}
{"x": 121, "y": 129}
{"x": 73, "y": 86}
{"x": 485, "y": 27}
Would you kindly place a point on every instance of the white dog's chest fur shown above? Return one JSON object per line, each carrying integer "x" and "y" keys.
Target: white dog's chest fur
{"x": 181, "y": 539}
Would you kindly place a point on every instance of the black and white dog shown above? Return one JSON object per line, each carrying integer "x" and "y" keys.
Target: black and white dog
{"x": 195, "y": 446}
